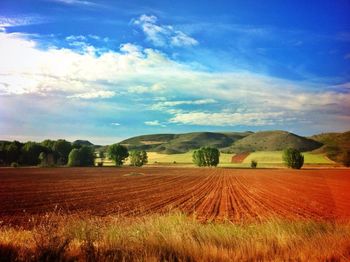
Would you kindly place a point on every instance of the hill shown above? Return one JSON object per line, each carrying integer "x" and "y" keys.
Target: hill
{"x": 83, "y": 143}
{"x": 181, "y": 143}
{"x": 272, "y": 141}
{"x": 334, "y": 144}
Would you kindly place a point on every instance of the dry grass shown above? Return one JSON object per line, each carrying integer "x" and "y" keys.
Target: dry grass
{"x": 172, "y": 237}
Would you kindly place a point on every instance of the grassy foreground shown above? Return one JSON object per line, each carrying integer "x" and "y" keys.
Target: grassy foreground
{"x": 172, "y": 237}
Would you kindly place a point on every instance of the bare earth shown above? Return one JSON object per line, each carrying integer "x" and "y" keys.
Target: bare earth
{"x": 217, "y": 194}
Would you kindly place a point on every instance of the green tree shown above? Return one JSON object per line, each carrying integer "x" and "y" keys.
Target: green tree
{"x": 118, "y": 153}
{"x": 13, "y": 152}
{"x": 101, "y": 154}
{"x": 43, "y": 159}
{"x": 83, "y": 156}
{"x": 293, "y": 158}
{"x": 87, "y": 156}
{"x": 138, "y": 158}
{"x": 30, "y": 153}
{"x": 62, "y": 149}
{"x": 253, "y": 164}
{"x": 198, "y": 157}
{"x": 74, "y": 157}
{"x": 206, "y": 156}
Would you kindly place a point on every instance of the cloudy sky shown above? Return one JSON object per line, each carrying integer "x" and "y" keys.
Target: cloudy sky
{"x": 108, "y": 70}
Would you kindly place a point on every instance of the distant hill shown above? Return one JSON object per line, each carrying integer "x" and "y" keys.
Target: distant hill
{"x": 334, "y": 144}
{"x": 272, "y": 141}
{"x": 83, "y": 143}
{"x": 181, "y": 143}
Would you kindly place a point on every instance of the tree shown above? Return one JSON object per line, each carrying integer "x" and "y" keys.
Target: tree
{"x": 30, "y": 153}
{"x": 118, "y": 153}
{"x": 198, "y": 157}
{"x": 253, "y": 164}
{"x": 87, "y": 156}
{"x": 83, "y": 156}
{"x": 206, "y": 156}
{"x": 43, "y": 159}
{"x": 46, "y": 159}
{"x": 138, "y": 158}
{"x": 346, "y": 158}
{"x": 62, "y": 149}
{"x": 293, "y": 158}
{"x": 101, "y": 154}
{"x": 74, "y": 157}
{"x": 13, "y": 152}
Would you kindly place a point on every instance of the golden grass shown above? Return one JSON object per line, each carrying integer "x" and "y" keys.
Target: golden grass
{"x": 173, "y": 237}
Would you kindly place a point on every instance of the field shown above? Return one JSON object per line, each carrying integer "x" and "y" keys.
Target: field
{"x": 265, "y": 159}
{"x": 174, "y": 214}
{"x": 238, "y": 195}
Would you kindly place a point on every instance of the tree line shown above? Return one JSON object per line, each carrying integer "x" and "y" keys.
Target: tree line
{"x": 63, "y": 153}
{"x": 48, "y": 152}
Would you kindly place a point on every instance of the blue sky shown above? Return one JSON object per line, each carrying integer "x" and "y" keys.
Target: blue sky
{"x": 108, "y": 70}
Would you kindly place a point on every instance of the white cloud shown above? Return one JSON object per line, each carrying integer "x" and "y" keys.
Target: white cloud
{"x": 227, "y": 119}
{"x": 184, "y": 102}
{"x": 163, "y": 35}
{"x": 115, "y": 124}
{"x": 140, "y": 89}
{"x": 181, "y": 39}
{"x": 92, "y": 95}
{"x": 11, "y": 21}
{"x": 75, "y": 2}
{"x": 154, "y": 123}
{"x": 95, "y": 74}
{"x": 73, "y": 38}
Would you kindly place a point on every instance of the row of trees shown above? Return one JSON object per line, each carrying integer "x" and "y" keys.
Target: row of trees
{"x": 119, "y": 153}
{"x": 62, "y": 152}
{"x": 208, "y": 156}
{"x": 48, "y": 152}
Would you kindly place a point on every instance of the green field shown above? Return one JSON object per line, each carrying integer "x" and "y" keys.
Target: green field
{"x": 264, "y": 158}
{"x": 275, "y": 157}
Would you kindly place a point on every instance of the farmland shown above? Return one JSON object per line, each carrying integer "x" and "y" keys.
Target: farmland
{"x": 264, "y": 158}
{"x": 174, "y": 214}
{"x": 208, "y": 193}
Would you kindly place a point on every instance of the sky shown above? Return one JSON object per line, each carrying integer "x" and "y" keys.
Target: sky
{"x": 108, "y": 70}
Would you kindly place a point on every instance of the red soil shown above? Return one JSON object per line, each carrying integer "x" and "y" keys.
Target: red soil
{"x": 210, "y": 193}
{"x": 238, "y": 158}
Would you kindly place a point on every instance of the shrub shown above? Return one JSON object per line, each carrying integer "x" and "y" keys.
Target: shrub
{"x": 118, "y": 153}
{"x": 253, "y": 164}
{"x": 293, "y": 158}
{"x": 14, "y": 164}
{"x": 206, "y": 156}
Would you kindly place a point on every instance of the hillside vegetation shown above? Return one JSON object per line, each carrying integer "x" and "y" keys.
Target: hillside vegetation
{"x": 334, "y": 144}
{"x": 181, "y": 143}
{"x": 272, "y": 141}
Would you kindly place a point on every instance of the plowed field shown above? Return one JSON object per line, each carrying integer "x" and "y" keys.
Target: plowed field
{"x": 210, "y": 193}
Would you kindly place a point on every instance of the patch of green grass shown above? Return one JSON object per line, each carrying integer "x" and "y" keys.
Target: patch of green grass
{"x": 275, "y": 157}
